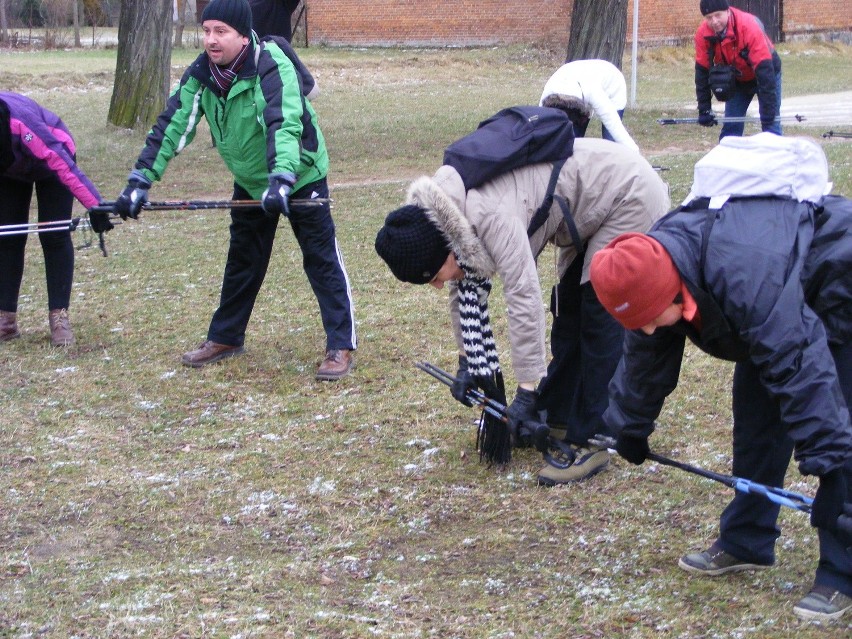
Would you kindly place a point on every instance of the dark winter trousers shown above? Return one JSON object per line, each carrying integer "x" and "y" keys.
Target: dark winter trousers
{"x": 54, "y": 203}
{"x": 762, "y": 453}
{"x": 580, "y": 131}
{"x": 252, "y": 237}
{"x": 586, "y": 344}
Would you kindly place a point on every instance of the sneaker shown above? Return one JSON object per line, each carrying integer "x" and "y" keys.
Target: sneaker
{"x": 588, "y": 461}
{"x": 8, "y": 326}
{"x": 209, "y": 352}
{"x": 60, "y": 327}
{"x": 715, "y": 561}
{"x": 823, "y": 603}
{"x": 337, "y": 364}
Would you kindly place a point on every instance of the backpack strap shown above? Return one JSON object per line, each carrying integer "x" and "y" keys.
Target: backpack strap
{"x": 543, "y": 211}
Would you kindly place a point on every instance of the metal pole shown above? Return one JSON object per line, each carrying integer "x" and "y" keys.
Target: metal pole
{"x": 723, "y": 119}
{"x": 634, "y": 53}
{"x": 198, "y": 205}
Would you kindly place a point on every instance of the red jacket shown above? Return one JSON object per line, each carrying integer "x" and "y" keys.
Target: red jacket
{"x": 745, "y": 46}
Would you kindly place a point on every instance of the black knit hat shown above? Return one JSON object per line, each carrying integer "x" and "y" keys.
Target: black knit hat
{"x": 412, "y": 245}
{"x": 234, "y": 13}
{"x": 712, "y": 6}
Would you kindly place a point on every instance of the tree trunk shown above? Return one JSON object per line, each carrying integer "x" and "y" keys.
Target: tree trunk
{"x": 598, "y": 30}
{"x": 4, "y": 22}
{"x": 180, "y": 10}
{"x": 75, "y": 12}
{"x": 143, "y": 62}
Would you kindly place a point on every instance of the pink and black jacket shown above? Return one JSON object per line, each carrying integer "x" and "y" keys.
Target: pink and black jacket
{"x": 35, "y": 144}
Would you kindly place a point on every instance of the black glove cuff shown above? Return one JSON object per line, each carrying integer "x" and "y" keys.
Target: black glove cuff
{"x": 633, "y": 449}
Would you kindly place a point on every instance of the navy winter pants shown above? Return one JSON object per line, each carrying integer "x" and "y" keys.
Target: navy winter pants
{"x": 762, "y": 453}
{"x": 252, "y": 237}
{"x": 586, "y": 344}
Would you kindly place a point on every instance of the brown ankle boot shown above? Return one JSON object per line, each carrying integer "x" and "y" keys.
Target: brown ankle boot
{"x": 60, "y": 327}
{"x": 8, "y": 326}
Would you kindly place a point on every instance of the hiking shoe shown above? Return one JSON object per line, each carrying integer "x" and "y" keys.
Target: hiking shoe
{"x": 209, "y": 352}
{"x": 60, "y": 327}
{"x": 823, "y": 603}
{"x": 715, "y": 561}
{"x": 587, "y": 462}
{"x": 8, "y": 326}
{"x": 337, "y": 364}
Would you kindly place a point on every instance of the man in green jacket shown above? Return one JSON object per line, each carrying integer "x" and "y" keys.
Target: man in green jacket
{"x": 252, "y": 95}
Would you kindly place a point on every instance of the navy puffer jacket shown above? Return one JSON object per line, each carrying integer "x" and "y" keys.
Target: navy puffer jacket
{"x": 773, "y": 284}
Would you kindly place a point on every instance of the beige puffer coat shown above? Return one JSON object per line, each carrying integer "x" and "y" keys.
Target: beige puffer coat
{"x": 611, "y": 190}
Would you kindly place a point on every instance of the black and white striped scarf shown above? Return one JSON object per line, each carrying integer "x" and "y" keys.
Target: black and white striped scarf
{"x": 225, "y": 76}
{"x": 493, "y": 439}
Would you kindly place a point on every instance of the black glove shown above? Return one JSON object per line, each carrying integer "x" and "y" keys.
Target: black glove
{"x": 276, "y": 197}
{"x": 525, "y": 422}
{"x": 99, "y": 221}
{"x": 706, "y": 118}
{"x": 633, "y": 449}
{"x": 464, "y": 383}
{"x": 133, "y": 197}
{"x": 829, "y": 500}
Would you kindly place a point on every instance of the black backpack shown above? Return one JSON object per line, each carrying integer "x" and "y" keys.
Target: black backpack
{"x": 512, "y": 138}
{"x": 515, "y": 137}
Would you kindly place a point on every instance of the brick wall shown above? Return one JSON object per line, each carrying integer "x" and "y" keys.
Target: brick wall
{"x": 806, "y": 16}
{"x": 486, "y": 22}
{"x": 423, "y": 23}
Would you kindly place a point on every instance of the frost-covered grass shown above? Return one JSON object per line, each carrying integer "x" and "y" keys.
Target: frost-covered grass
{"x": 141, "y": 498}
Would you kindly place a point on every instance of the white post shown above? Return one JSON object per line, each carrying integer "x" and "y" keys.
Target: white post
{"x": 634, "y": 53}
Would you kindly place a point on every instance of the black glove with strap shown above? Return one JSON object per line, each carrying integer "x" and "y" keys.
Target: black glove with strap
{"x": 276, "y": 197}
{"x": 99, "y": 221}
{"x": 633, "y": 449}
{"x": 464, "y": 382}
{"x": 707, "y": 118}
{"x": 133, "y": 197}
{"x": 525, "y": 423}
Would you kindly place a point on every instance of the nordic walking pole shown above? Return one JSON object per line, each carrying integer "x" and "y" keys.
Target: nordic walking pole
{"x": 39, "y": 227}
{"x": 732, "y": 120}
{"x": 36, "y": 225}
{"x": 779, "y": 496}
{"x": 495, "y": 408}
{"x": 477, "y": 398}
{"x": 836, "y": 134}
{"x": 198, "y": 205}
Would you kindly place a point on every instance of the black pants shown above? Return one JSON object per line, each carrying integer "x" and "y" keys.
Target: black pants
{"x": 252, "y": 237}
{"x": 762, "y": 452}
{"x": 54, "y": 203}
{"x": 586, "y": 344}
{"x": 580, "y": 130}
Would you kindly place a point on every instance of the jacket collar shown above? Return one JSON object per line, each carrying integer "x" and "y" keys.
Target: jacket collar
{"x": 447, "y": 216}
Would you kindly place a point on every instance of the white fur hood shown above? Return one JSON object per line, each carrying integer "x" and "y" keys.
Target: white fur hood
{"x": 442, "y": 197}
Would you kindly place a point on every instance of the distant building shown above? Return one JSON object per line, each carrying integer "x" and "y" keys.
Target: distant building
{"x": 489, "y": 22}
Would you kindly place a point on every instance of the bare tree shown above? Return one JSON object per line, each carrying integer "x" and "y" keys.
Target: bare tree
{"x": 143, "y": 62}
{"x": 598, "y": 30}
{"x": 75, "y": 12}
{"x": 180, "y": 14}
{"x": 4, "y": 22}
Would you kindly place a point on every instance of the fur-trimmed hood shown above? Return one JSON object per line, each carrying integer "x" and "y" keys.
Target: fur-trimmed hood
{"x": 443, "y": 209}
